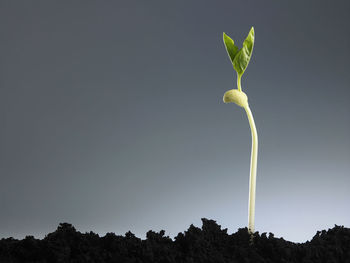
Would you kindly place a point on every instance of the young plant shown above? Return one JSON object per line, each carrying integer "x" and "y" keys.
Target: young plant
{"x": 240, "y": 59}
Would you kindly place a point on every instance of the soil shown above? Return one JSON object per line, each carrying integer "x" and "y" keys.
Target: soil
{"x": 205, "y": 245}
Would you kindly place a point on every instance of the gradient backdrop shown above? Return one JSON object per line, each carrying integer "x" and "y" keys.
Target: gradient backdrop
{"x": 112, "y": 116}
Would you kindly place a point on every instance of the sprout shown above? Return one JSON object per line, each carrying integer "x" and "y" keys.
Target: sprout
{"x": 240, "y": 60}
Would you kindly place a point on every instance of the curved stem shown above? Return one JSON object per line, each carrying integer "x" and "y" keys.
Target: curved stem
{"x": 253, "y": 165}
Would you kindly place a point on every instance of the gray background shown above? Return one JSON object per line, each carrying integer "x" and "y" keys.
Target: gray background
{"x": 112, "y": 116}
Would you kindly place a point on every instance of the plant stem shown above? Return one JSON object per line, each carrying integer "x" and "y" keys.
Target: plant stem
{"x": 253, "y": 165}
{"x": 239, "y": 82}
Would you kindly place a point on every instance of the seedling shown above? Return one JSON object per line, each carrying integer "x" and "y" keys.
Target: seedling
{"x": 240, "y": 59}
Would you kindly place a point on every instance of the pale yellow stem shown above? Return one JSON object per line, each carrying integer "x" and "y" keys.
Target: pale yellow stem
{"x": 253, "y": 165}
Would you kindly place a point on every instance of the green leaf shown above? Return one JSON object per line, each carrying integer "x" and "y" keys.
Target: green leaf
{"x": 231, "y": 48}
{"x": 241, "y": 60}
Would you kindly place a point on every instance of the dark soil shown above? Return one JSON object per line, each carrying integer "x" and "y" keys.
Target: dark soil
{"x": 209, "y": 244}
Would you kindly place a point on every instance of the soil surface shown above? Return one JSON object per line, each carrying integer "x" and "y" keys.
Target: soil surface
{"x": 203, "y": 245}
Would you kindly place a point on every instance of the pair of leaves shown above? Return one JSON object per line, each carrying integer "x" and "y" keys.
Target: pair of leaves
{"x": 240, "y": 58}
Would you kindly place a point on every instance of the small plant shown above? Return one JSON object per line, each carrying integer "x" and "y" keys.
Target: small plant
{"x": 240, "y": 60}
